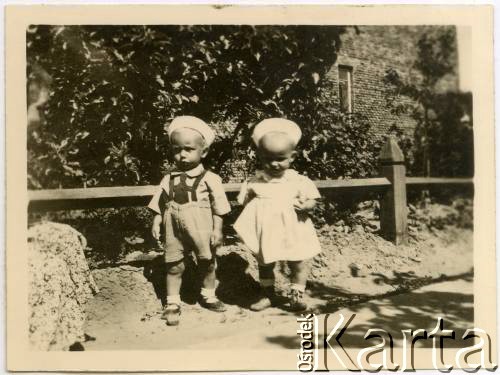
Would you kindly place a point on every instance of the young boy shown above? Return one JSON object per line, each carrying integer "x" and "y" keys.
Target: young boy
{"x": 189, "y": 204}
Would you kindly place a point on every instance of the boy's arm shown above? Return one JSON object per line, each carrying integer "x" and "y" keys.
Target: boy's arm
{"x": 157, "y": 205}
{"x": 218, "y": 198}
{"x": 156, "y": 227}
{"x": 217, "y": 237}
{"x": 159, "y": 199}
{"x": 220, "y": 207}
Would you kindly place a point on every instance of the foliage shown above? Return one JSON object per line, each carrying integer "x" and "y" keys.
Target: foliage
{"x": 338, "y": 145}
{"x": 112, "y": 89}
{"x": 451, "y": 139}
{"x": 111, "y": 233}
{"x": 100, "y": 96}
{"x": 458, "y": 212}
{"x": 442, "y": 144}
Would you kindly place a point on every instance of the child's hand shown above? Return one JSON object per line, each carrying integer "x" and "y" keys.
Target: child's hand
{"x": 156, "y": 227}
{"x": 298, "y": 204}
{"x": 216, "y": 238}
{"x": 304, "y": 205}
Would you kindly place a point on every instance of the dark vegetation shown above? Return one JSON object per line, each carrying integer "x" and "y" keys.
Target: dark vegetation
{"x": 99, "y": 98}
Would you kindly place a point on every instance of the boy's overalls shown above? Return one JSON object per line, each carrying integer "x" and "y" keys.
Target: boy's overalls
{"x": 187, "y": 221}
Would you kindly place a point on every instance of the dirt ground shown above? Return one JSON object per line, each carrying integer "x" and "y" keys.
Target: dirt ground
{"x": 356, "y": 270}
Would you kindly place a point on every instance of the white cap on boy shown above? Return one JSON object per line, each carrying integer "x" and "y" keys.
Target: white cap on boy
{"x": 194, "y": 123}
{"x": 277, "y": 125}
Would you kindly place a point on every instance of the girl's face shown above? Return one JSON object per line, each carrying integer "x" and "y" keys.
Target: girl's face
{"x": 276, "y": 153}
{"x": 188, "y": 148}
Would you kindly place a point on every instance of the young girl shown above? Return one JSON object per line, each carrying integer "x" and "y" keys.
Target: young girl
{"x": 274, "y": 223}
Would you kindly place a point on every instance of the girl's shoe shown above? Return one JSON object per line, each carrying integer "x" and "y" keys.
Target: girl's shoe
{"x": 172, "y": 314}
{"x": 265, "y": 301}
{"x": 261, "y": 304}
{"x": 216, "y": 305}
{"x": 296, "y": 301}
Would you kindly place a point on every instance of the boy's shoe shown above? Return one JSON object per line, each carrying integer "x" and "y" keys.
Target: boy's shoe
{"x": 296, "y": 301}
{"x": 216, "y": 305}
{"x": 265, "y": 301}
{"x": 172, "y": 314}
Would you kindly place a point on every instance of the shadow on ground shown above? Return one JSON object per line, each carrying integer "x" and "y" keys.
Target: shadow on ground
{"x": 397, "y": 310}
{"x": 155, "y": 273}
{"x": 394, "y": 312}
{"x": 236, "y": 287}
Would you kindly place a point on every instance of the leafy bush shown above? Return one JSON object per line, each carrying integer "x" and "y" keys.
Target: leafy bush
{"x": 100, "y": 96}
{"x": 451, "y": 137}
{"x": 458, "y": 213}
{"x": 112, "y": 89}
{"x": 442, "y": 143}
{"x": 339, "y": 145}
{"x": 111, "y": 233}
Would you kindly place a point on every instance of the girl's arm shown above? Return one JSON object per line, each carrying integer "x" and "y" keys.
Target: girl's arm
{"x": 245, "y": 195}
{"x": 308, "y": 196}
{"x": 304, "y": 206}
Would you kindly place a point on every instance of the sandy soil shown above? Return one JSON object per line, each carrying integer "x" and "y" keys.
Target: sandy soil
{"x": 356, "y": 268}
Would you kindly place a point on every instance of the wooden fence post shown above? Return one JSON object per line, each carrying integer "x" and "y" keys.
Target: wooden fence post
{"x": 393, "y": 210}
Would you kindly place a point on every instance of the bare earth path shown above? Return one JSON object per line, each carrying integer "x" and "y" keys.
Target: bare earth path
{"x": 394, "y": 289}
{"x": 274, "y": 328}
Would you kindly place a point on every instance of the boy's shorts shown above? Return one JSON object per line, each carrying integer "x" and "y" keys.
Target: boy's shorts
{"x": 188, "y": 227}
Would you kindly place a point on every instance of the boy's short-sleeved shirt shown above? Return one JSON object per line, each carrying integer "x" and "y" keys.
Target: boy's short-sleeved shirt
{"x": 209, "y": 189}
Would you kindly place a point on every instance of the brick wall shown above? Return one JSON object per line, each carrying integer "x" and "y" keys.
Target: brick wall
{"x": 370, "y": 52}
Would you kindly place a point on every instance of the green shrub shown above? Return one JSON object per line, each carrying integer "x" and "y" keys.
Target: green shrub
{"x": 112, "y": 89}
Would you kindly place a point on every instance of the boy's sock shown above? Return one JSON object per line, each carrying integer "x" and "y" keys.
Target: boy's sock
{"x": 301, "y": 288}
{"x": 210, "y": 301}
{"x": 208, "y": 295}
{"x": 266, "y": 283}
{"x": 174, "y": 299}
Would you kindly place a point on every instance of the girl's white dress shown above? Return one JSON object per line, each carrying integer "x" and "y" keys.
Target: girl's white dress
{"x": 269, "y": 224}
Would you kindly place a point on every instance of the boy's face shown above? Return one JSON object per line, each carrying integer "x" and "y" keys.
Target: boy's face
{"x": 188, "y": 148}
{"x": 276, "y": 153}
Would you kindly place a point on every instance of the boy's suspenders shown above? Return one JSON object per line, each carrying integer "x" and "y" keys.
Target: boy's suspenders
{"x": 196, "y": 183}
{"x": 179, "y": 193}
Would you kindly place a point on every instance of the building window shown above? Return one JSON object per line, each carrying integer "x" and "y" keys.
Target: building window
{"x": 345, "y": 88}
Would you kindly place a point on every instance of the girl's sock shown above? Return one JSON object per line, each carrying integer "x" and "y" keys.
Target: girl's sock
{"x": 208, "y": 295}
{"x": 175, "y": 299}
{"x": 301, "y": 288}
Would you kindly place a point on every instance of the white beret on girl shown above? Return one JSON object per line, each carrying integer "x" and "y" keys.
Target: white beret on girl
{"x": 194, "y": 123}
{"x": 279, "y": 125}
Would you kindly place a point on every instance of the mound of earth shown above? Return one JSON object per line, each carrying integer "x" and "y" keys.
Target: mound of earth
{"x": 60, "y": 285}
{"x": 358, "y": 263}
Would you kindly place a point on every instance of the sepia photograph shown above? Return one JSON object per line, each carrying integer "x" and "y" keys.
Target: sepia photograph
{"x": 301, "y": 187}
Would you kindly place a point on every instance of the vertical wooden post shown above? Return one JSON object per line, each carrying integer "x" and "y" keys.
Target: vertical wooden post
{"x": 393, "y": 210}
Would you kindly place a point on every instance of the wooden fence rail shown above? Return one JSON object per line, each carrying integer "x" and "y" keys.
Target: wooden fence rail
{"x": 391, "y": 187}
{"x": 126, "y": 196}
